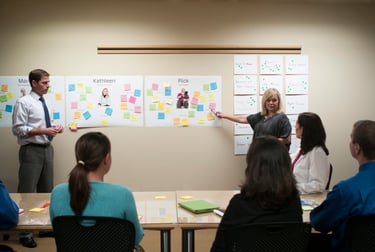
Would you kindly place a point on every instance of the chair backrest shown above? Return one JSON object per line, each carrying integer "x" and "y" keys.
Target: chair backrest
{"x": 84, "y": 233}
{"x": 360, "y": 233}
{"x": 280, "y": 237}
{"x": 329, "y": 176}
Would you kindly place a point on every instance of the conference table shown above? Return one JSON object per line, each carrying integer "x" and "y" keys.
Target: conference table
{"x": 158, "y": 211}
{"x": 189, "y": 222}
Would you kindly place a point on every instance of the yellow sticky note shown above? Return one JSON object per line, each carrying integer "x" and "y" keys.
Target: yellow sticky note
{"x": 186, "y": 197}
{"x": 168, "y": 110}
{"x": 10, "y": 95}
{"x": 80, "y": 86}
{"x": 37, "y": 210}
{"x": 134, "y": 118}
{"x": 104, "y": 122}
{"x": 201, "y": 120}
{"x": 161, "y": 106}
{"x": 73, "y": 126}
{"x": 155, "y": 99}
{"x": 89, "y": 105}
{"x": 169, "y": 101}
{"x": 185, "y": 122}
{"x": 307, "y": 208}
{"x": 160, "y": 197}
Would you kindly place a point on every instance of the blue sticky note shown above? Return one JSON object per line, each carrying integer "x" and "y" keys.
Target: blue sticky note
{"x": 108, "y": 111}
{"x": 137, "y": 92}
{"x": 71, "y": 87}
{"x": 9, "y": 108}
{"x": 200, "y": 107}
{"x": 161, "y": 115}
{"x": 56, "y": 115}
{"x": 213, "y": 85}
{"x": 86, "y": 115}
{"x": 168, "y": 92}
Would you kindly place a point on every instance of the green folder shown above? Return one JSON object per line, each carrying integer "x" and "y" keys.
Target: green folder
{"x": 198, "y": 206}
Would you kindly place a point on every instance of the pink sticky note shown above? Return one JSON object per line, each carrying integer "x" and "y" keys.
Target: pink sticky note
{"x": 132, "y": 99}
{"x": 155, "y": 86}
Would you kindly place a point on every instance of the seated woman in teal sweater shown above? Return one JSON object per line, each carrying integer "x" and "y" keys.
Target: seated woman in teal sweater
{"x": 86, "y": 194}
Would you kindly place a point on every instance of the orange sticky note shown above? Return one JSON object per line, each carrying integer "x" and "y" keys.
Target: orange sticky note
{"x": 46, "y": 204}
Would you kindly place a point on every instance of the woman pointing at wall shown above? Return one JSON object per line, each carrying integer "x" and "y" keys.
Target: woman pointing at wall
{"x": 270, "y": 121}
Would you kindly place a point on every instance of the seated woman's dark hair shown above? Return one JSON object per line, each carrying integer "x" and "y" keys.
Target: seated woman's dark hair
{"x": 269, "y": 179}
{"x": 90, "y": 150}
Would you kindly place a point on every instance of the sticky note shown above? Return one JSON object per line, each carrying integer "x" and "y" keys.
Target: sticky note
{"x": 82, "y": 97}
{"x": 160, "y": 197}
{"x": 213, "y": 85}
{"x": 155, "y": 86}
{"x": 186, "y": 197}
{"x": 132, "y": 99}
{"x": 46, "y": 204}
{"x": 127, "y": 87}
{"x": 56, "y": 115}
{"x": 58, "y": 97}
{"x": 124, "y": 98}
{"x": 4, "y": 88}
{"x": 124, "y": 106}
{"x": 108, "y": 111}
{"x": 137, "y": 93}
{"x": 37, "y": 210}
{"x": 134, "y": 118}
{"x": 307, "y": 208}
{"x": 73, "y": 126}
{"x": 185, "y": 122}
{"x": 138, "y": 109}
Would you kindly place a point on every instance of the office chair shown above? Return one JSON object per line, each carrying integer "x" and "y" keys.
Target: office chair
{"x": 329, "y": 176}
{"x": 269, "y": 237}
{"x": 88, "y": 233}
{"x": 360, "y": 234}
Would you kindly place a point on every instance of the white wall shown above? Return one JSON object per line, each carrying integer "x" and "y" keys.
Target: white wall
{"x": 62, "y": 38}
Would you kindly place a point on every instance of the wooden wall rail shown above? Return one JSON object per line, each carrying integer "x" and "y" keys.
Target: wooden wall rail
{"x": 198, "y": 49}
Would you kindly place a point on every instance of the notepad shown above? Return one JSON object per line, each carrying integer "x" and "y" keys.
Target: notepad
{"x": 198, "y": 206}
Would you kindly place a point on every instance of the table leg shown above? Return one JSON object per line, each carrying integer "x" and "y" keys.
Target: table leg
{"x": 165, "y": 240}
{"x": 187, "y": 240}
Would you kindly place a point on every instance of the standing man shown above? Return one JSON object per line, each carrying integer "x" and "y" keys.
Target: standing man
{"x": 351, "y": 197}
{"x": 34, "y": 131}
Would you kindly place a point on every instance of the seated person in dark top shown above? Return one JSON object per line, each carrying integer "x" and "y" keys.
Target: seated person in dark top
{"x": 268, "y": 194}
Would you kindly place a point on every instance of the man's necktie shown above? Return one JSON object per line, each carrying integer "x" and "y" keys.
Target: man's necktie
{"x": 46, "y": 115}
